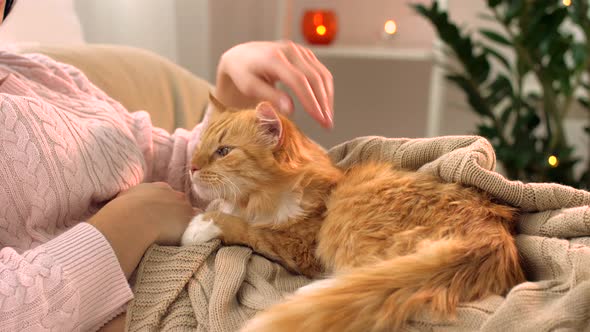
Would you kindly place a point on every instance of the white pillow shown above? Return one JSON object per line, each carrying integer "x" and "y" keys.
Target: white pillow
{"x": 42, "y": 21}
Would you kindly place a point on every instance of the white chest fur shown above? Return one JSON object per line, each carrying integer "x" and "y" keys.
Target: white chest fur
{"x": 287, "y": 207}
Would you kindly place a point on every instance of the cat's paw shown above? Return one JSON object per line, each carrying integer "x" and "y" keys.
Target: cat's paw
{"x": 199, "y": 231}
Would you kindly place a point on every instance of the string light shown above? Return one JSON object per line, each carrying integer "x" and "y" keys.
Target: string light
{"x": 566, "y": 3}
{"x": 553, "y": 161}
{"x": 390, "y": 27}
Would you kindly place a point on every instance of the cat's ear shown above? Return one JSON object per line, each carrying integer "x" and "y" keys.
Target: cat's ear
{"x": 270, "y": 122}
{"x": 217, "y": 105}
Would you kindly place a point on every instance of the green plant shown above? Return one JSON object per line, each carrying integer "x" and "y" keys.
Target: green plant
{"x": 526, "y": 128}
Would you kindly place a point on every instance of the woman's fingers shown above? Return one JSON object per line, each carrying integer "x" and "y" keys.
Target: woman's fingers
{"x": 299, "y": 84}
{"x": 293, "y": 70}
{"x": 248, "y": 72}
{"x": 304, "y": 63}
{"x": 326, "y": 77}
{"x": 266, "y": 90}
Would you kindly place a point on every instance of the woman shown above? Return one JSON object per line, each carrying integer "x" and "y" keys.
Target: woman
{"x": 87, "y": 187}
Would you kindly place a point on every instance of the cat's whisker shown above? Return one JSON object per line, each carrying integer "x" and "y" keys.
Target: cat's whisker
{"x": 216, "y": 183}
{"x": 234, "y": 188}
{"x": 223, "y": 189}
{"x": 225, "y": 185}
{"x": 218, "y": 193}
{"x": 229, "y": 181}
{"x": 237, "y": 189}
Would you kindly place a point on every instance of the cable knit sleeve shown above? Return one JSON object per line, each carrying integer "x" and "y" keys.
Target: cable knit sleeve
{"x": 65, "y": 151}
{"x": 166, "y": 155}
{"x": 72, "y": 282}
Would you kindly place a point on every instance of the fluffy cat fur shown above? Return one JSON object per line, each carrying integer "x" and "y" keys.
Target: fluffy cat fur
{"x": 393, "y": 242}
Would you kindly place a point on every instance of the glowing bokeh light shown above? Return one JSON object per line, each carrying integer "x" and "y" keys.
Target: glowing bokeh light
{"x": 390, "y": 27}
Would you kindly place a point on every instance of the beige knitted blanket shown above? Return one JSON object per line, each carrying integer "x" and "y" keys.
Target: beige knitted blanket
{"x": 215, "y": 288}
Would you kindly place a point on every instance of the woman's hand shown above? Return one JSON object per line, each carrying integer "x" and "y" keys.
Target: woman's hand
{"x": 247, "y": 74}
{"x": 158, "y": 207}
{"x": 117, "y": 324}
{"x": 143, "y": 215}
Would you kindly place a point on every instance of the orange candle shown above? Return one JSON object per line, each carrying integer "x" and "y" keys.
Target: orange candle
{"x": 319, "y": 26}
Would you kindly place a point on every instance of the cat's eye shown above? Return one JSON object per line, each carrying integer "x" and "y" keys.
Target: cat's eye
{"x": 223, "y": 151}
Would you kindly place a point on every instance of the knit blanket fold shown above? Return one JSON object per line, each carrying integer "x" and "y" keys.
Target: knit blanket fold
{"x": 217, "y": 288}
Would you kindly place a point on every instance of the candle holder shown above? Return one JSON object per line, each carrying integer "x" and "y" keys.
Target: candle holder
{"x": 319, "y": 26}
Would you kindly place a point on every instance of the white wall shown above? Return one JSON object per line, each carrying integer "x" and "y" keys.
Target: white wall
{"x": 193, "y": 37}
{"x": 193, "y": 33}
{"x": 149, "y": 24}
{"x": 47, "y": 21}
{"x": 234, "y": 22}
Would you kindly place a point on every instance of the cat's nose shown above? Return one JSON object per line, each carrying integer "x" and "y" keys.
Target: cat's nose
{"x": 195, "y": 168}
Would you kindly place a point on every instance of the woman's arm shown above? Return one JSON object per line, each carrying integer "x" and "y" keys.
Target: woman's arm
{"x": 73, "y": 282}
{"x": 115, "y": 325}
{"x": 78, "y": 280}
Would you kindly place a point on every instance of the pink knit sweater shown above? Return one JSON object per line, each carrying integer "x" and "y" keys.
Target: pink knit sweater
{"x": 66, "y": 149}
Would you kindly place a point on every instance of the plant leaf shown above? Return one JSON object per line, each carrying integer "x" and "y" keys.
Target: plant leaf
{"x": 487, "y": 131}
{"x": 499, "y": 89}
{"x": 496, "y": 37}
{"x": 487, "y": 17}
{"x": 585, "y": 102}
{"x": 495, "y": 54}
{"x": 477, "y": 103}
{"x": 580, "y": 55}
{"x": 513, "y": 10}
{"x": 506, "y": 113}
{"x": 493, "y": 3}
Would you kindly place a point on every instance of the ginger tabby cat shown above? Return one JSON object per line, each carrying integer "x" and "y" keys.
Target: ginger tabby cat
{"x": 394, "y": 242}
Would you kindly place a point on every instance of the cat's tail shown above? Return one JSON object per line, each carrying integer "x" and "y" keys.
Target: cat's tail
{"x": 384, "y": 296}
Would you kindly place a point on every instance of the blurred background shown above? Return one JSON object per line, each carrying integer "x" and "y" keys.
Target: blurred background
{"x": 376, "y": 93}
{"x": 385, "y": 84}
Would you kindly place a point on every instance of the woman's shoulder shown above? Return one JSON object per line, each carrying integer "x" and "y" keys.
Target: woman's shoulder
{"x": 30, "y": 62}
{"x": 40, "y": 69}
